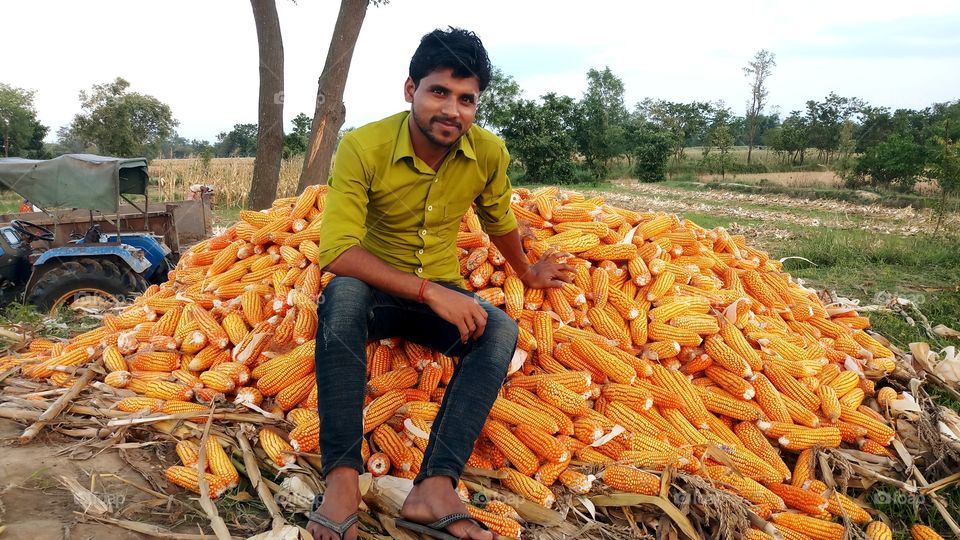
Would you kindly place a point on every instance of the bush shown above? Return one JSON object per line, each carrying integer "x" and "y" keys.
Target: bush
{"x": 896, "y": 162}
{"x": 652, "y": 152}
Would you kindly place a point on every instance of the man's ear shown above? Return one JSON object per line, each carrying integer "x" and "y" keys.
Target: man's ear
{"x": 408, "y": 89}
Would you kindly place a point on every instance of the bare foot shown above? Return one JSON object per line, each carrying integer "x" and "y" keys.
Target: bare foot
{"x": 340, "y": 499}
{"x": 435, "y": 498}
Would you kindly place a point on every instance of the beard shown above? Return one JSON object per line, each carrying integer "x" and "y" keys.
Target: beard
{"x": 426, "y": 127}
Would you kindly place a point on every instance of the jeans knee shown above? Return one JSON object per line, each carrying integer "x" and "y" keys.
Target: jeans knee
{"x": 504, "y": 331}
{"x": 344, "y": 301}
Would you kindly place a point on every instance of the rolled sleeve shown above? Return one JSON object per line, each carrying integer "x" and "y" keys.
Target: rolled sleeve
{"x": 345, "y": 214}
{"x": 493, "y": 203}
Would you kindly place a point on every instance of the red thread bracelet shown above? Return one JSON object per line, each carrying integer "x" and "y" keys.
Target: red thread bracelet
{"x": 423, "y": 285}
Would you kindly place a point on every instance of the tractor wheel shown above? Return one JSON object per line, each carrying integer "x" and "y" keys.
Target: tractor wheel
{"x": 85, "y": 283}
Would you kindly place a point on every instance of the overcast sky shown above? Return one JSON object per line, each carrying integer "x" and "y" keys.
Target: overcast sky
{"x": 200, "y": 56}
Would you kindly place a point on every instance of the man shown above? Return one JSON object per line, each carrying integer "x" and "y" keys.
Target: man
{"x": 399, "y": 189}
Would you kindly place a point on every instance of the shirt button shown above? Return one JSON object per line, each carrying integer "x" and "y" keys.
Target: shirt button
{"x": 430, "y": 208}
{"x": 420, "y": 270}
{"x": 420, "y": 252}
{"x": 435, "y": 180}
{"x": 423, "y": 232}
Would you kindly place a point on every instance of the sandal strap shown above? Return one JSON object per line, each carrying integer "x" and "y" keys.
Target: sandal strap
{"x": 338, "y": 527}
{"x": 444, "y": 522}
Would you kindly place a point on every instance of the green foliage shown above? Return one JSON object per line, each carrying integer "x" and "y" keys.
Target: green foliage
{"x": 21, "y": 134}
{"x": 652, "y": 148}
{"x": 599, "y": 121}
{"x": 895, "y": 163}
{"x": 295, "y": 142}
{"x": 721, "y": 138}
{"x": 241, "y": 141}
{"x": 122, "y": 123}
{"x": 540, "y": 137}
{"x": 824, "y": 121}
{"x": 493, "y": 110}
{"x": 686, "y": 122}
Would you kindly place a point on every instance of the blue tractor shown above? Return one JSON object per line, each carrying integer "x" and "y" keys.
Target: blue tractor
{"x": 83, "y": 256}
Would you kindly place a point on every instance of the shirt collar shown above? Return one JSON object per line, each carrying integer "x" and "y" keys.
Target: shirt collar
{"x": 404, "y": 146}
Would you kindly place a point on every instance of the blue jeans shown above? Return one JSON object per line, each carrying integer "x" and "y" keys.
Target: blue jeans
{"x": 351, "y": 313}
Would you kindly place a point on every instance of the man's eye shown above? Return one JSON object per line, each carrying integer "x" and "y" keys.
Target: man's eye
{"x": 438, "y": 91}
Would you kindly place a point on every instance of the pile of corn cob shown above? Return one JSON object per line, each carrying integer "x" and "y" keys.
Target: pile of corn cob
{"x": 673, "y": 343}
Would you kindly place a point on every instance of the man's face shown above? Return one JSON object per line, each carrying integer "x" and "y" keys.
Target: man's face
{"x": 443, "y": 106}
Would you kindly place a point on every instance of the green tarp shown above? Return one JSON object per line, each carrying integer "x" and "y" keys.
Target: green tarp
{"x": 75, "y": 180}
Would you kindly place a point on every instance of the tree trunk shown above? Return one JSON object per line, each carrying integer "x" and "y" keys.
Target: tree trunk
{"x": 266, "y": 168}
{"x": 753, "y": 136}
{"x": 330, "y": 111}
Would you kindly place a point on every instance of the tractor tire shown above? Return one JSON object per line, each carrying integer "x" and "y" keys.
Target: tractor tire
{"x": 69, "y": 280}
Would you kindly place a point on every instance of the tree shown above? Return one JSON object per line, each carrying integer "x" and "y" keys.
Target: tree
{"x": 895, "y": 162}
{"x": 122, "y": 123}
{"x": 825, "y": 119}
{"x": 793, "y": 137}
{"x": 20, "y": 132}
{"x": 720, "y": 137}
{"x": 266, "y": 166}
{"x": 945, "y": 164}
{"x": 330, "y": 111}
{"x": 540, "y": 137}
{"x": 295, "y": 142}
{"x": 600, "y": 120}
{"x": 493, "y": 110}
{"x": 758, "y": 70}
{"x": 686, "y": 122}
{"x": 651, "y": 150}
{"x": 241, "y": 141}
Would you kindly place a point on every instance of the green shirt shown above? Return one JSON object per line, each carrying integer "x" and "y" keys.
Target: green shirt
{"x": 387, "y": 200}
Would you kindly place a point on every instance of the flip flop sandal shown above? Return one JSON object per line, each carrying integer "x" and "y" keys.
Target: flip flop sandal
{"x": 437, "y": 529}
{"x": 340, "y": 528}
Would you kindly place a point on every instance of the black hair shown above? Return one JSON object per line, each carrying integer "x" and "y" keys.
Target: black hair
{"x": 457, "y": 49}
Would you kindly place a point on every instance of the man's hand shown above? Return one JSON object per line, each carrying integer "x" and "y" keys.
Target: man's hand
{"x": 458, "y": 309}
{"x": 548, "y": 271}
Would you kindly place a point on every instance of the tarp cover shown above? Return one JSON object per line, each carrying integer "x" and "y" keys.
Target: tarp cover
{"x": 75, "y": 180}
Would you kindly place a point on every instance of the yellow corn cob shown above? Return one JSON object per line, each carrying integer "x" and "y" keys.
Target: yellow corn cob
{"x": 829, "y": 403}
{"x": 276, "y": 447}
{"x": 726, "y": 357}
{"x": 390, "y": 443}
{"x": 167, "y": 390}
{"x": 137, "y": 404}
{"x": 392, "y": 380}
{"x": 174, "y": 406}
{"x": 810, "y": 526}
{"x": 188, "y": 453}
{"x": 381, "y": 409}
{"x": 290, "y": 396}
{"x": 624, "y": 478}
{"x": 561, "y": 397}
{"x": 219, "y": 381}
{"x": 513, "y": 413}
{"x": 611, "y": 366}
{"x": 878, "y": 530}
{"x": 188, "y": 478}
{"x": 839, "y": 504}
{"x": 117, "y": 379}
{"x": 155, "y": 361}
{"x": 526, "y": 487}
{"x": 522, "y": 457}
{"x": 501, "y": 525}
{"x": 739, "y": 409}
{"x": 879, "y": 432}
{"x": 754, "y": 440}
{"x": 922, "y": 532}
{"x": 542, "y": 443}
{"x": 220, "y": 464}
{"x": 770, "y": 399}
{"x": 798, "y": 498}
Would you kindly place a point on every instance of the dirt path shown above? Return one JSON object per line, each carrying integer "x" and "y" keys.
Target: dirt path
{"x": 34, "y": 506}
